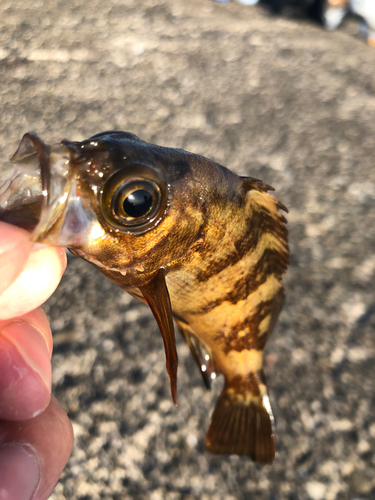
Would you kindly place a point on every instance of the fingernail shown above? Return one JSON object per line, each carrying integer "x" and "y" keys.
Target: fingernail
{"x": 25, "y": 371}
{"x": 19, "y": 471}
{"x": 11, "y": 237}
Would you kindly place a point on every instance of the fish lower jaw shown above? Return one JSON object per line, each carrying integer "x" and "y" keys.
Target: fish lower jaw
{"x": 98, "y": 263}
{"x": 130, "y": 271}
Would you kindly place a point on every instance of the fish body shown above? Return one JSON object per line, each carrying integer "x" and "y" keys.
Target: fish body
{"x": 195, "y": 241}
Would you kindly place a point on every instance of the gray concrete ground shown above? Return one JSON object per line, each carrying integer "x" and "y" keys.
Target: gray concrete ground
{"x": 270, "y": 97}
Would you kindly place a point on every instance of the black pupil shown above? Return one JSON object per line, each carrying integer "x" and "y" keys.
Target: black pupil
{"x": 138, "y": 203}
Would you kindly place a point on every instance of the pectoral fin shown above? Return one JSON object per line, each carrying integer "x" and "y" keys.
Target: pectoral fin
{"x": 157, "y": 297}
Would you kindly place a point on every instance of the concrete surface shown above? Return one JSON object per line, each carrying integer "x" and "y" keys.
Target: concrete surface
{"x": 272, "y": 97}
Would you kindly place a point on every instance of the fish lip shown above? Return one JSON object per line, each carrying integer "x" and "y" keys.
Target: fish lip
{"x": 21, "y": 200}
{"x": 44, "y": 152}
{"x": 21, "y": 196}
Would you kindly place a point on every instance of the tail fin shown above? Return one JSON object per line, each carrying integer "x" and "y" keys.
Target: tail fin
{"x": 242, "y": 424}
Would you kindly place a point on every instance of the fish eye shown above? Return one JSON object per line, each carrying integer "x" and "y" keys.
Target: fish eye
{"x": 134, "y": 200}
{"x": 131, "y": 204}
{"x": 138, "y": 203}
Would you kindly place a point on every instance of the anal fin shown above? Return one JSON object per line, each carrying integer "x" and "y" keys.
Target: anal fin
{"x": 242, "y": 423}
{"x": 201, "y": 354}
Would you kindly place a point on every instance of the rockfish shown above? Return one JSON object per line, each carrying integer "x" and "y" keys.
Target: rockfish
{"x": 196, "y": 242}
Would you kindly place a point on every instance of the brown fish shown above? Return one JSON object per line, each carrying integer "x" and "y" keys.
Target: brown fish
{"x": 195, "y": 241}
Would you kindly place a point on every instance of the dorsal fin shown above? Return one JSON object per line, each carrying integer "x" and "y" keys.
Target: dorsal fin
{"x": 250, "y": 183}
{"x": 272, "y": 222}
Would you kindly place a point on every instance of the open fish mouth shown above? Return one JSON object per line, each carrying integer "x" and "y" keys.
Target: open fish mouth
{"x": 44, "y": 195}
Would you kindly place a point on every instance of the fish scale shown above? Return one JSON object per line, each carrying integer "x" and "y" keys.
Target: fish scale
{"x": 185, "y": 235}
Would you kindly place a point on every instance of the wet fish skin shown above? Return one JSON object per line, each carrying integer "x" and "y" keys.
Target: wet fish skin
{"x": 210, "y": 252}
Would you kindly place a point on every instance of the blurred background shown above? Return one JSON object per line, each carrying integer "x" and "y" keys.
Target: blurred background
{"x": 270, "y": 96}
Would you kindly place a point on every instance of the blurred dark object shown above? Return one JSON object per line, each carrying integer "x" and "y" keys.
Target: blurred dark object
{"x": 329, "y": 13}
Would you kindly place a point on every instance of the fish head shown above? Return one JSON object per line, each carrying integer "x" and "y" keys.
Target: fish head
{"x": 124, "y": 205}
{"x": 132, "y": 209}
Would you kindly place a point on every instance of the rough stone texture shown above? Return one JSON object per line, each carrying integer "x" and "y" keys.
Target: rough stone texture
{"x": 275, "y": 98}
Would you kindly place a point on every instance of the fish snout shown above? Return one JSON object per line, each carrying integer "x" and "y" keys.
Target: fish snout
{"x": 44, "y": 196}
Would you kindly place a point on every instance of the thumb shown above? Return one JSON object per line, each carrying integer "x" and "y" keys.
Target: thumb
{"x": 15, "y": 247}
{"x": 29, "y": 273}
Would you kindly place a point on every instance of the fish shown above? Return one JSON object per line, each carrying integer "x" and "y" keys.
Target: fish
{"x": 198, "y": 243}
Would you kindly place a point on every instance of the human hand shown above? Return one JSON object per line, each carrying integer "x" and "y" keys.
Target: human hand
{"x": 36, "y": 436}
